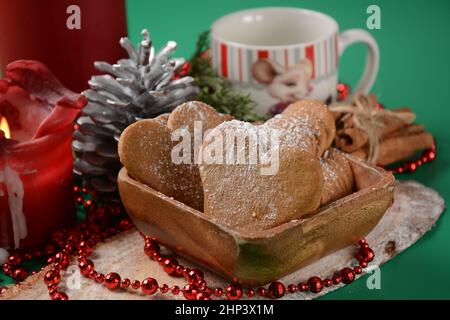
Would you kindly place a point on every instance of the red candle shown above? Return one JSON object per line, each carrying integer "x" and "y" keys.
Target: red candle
{"x": 66, "y": 38}
{"x": 36, "y": 182}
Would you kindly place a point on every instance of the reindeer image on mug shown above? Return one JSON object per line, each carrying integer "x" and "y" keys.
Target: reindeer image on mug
{"x": 280, "y": 55}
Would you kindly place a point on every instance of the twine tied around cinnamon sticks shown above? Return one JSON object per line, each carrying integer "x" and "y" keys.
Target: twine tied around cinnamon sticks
{"x": 370, "y": 119}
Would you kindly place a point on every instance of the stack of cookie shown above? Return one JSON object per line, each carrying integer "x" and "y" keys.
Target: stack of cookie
{"x": 145, "y": 149}
{"x": 241, "y": 175}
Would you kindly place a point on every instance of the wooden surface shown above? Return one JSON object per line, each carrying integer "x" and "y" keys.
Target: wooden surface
{"x": 233, "y": 252}
{"x": 415, "y": 210}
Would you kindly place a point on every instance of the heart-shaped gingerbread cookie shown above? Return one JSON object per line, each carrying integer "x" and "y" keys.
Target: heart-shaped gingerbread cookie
{"x": 307, "y": 122}
{"x": 146, "y": 149}
{"x": 238, "y": 193}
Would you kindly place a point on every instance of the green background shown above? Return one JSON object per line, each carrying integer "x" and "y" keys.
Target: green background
{"x": 414, "y": 46}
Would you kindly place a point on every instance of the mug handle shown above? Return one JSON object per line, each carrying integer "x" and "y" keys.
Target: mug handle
{"x": 352, "y": 36}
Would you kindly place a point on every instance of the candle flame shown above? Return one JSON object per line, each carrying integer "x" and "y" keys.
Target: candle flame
{"x": 4, "y": 126}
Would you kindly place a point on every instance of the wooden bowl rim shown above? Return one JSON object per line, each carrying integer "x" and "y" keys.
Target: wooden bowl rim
{"x": 385, "y": 179}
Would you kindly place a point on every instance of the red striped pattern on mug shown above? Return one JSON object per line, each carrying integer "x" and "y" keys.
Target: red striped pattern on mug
{"x": 235, "y": 62}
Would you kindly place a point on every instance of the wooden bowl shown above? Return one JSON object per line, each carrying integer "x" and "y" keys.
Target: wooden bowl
{"x": 259, "y": 257}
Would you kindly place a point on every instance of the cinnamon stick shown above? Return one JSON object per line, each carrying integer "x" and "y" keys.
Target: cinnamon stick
{"x": 410, "y": 129}
{"x": 349, "y": 138}
{"x": 398, "y": 147}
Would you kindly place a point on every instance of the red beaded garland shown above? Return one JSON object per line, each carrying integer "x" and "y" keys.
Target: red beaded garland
{"x": 52, "y": 291}
{"x": 357, "y": 270}
{"x": 249, "y": 292}
{"x": 303, "y": 287}
{"x": 411, "y": 166}
{"x": 126, "y": 283}
{"x": 85, "y": 266}
{"x": 19, "y": 274}
{"x": 315, "y": 284}
{"x": 218, "y": 292}
{"x": 262, "y": 292}
{"x": 202, "y": 296}
{"x": 175, "y": 290}
{"x": 327, "y": 282}
{"x": 367, "y": 254}
{"x": 197, "y": 289}
{"x": 149, "y": 286}
{"x": 51, "y": 277}
{"x": 179, "y": 270}
{"x": 150, "y": 248}
{"x": 15, "y": 260}
{"x": 189, "y": 292}
{"x": 7, "y": 269}
{"x": 136, "y": 284}
{"x": 81, "y": 240}
{"x": 100, "y": 278}
{"x": 59, "y": 296}
{"x": 164, "y": 288}
{"x": 347, "y": 275}
{"x": 170, "y": 265}
{"x": 233, "y": 291}
{"x": 276, "y": 290}
{"x": 112, "y": 281}
{"x": 194, "y": 275}
{"x": 292, "y": 288}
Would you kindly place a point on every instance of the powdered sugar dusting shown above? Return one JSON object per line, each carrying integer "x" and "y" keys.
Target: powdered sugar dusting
{"x": 237, "y": 195}
{"x": 298, "y": 132}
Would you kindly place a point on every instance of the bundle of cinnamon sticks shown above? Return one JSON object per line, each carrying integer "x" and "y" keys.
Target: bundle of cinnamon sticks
{"x": 378, "y": 135}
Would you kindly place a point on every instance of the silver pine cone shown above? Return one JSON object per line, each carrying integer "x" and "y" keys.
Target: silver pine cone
{"x": 140, "y": 87}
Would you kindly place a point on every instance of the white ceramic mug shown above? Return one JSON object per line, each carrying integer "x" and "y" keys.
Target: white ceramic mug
{"x": 280, "y": 55}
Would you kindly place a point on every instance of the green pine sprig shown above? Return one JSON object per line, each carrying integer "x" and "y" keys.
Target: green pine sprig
{"x": 216, "y": 90}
